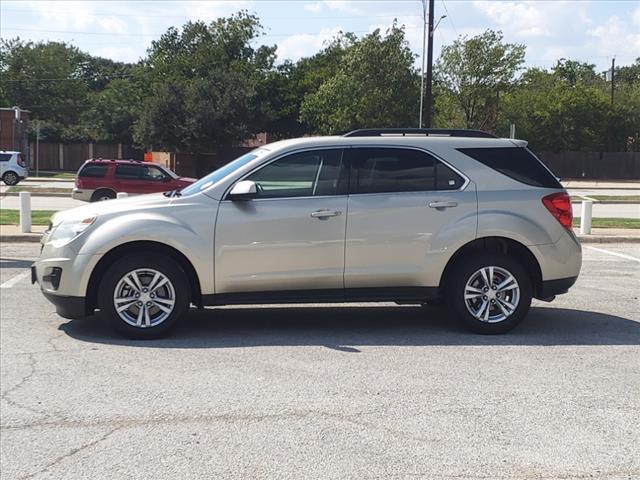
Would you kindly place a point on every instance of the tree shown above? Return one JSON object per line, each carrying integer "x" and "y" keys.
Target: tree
{"x": 44, "y": 78}
{"x": 474, "y": 70}
{"x": 288, "y": 85}
{"x": 375, "y": 85}
{"x": 202, "y": 85}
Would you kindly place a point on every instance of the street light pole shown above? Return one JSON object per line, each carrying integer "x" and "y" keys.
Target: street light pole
{"x": 424, "y": 38}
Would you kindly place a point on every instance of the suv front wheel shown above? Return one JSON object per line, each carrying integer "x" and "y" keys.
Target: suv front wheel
{"x": 143, "y": 296}
{"x": 490, "y": 293}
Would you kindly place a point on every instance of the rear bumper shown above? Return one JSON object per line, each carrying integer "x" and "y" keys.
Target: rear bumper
{"x": 559, "y": 286}
{"x": 80, "y": 194}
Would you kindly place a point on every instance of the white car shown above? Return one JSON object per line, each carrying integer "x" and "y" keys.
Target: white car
{"x": 12, "y": 167}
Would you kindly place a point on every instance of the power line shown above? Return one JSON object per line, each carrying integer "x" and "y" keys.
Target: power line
{"x": 124, "y": 15}
{"x": 450, "y": 19}
{"x": 118, "y": 34}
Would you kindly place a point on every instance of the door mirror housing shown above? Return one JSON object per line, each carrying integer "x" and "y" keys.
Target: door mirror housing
{"x": 244, "y": 190}
{"x": 166, "y": 179}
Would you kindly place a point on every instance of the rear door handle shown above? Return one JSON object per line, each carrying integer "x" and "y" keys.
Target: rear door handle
{"x": 326, "y": 213}
{"x": 443, "y": 204}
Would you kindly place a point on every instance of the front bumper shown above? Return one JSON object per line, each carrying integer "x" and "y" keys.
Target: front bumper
{"x": 66, "y": 306}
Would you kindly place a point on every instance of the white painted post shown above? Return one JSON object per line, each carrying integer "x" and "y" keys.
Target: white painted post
{"x": 25, "y": 212}
{"x": 585, "y": 217}
{"x": 122, "y": 195}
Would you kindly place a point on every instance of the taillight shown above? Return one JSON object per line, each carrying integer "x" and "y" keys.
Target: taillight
{"x": 78, "y": 182}
{"x": 559, "y": 205}
{"x": 21, "y": 161}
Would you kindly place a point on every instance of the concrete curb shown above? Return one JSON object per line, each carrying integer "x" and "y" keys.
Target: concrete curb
{"x": 37, "y": 194}
{"x": 609, "y": 238}
{"x": 21, "y": 238}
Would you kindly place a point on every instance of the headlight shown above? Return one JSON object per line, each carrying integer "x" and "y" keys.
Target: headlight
{"x": 68, "y": 230}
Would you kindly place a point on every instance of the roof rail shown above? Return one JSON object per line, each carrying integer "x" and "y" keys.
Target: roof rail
{"x": 451, "y": 132}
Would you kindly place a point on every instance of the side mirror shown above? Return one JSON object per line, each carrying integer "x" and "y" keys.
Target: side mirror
{"x": 244, "y": 190}
{"x": 166, "y": 179}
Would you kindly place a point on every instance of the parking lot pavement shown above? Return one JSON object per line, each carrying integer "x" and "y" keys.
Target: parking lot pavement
{"x": 364, "y": 391}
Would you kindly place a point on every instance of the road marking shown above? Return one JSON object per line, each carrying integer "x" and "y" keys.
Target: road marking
{"x": 12, "y": 281}
{"x": 616, "y": 254}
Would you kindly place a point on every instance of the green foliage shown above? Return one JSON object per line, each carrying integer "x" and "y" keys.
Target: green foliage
{"x": 202, "y": 85}
{"x": 474, "y": 69}
{"x": 206, "y": 86}
{"x": 374, "y": 85}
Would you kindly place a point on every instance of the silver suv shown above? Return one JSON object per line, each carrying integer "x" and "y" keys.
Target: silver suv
{"x": 12, "y": 167}
{"x": 406, "y": 216}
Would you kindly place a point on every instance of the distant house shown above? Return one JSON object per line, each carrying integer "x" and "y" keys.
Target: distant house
{"x": 14, "y": 123}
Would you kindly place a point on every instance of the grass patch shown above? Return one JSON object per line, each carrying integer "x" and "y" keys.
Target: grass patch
{"x": 611, "y": 222}
{"x": 12, "y": 217}
{"x": 25, "y": 188}
{"x": 59, "y": 175}
{"x": 635, "y": 198}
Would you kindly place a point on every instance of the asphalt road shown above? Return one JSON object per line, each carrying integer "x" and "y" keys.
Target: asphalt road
{"x": 362, "y": 392}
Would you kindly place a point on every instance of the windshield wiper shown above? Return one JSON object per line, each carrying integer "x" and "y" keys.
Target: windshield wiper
{"x": 172, "y": 193}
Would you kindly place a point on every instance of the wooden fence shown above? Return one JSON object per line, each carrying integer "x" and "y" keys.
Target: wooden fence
{"x": 69, "y": 156}
{"x": 58, "y": 156}
{"x": 594, "y": 165}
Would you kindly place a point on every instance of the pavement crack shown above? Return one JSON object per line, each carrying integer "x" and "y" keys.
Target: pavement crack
{"x": 71, "y": 453}
{"x": 25, "y": 379}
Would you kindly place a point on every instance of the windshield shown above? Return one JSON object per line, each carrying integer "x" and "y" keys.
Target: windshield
{"x": 219, "y": 174}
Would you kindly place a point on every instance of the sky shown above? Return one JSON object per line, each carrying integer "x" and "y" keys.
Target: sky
{"x": 588, "y": 31}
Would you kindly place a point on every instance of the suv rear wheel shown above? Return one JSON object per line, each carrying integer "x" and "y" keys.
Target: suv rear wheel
{"x": 490, "y": 293}
{"x": 103, "y": 194}
{"x": 10, "y": 178}
{"x": 143, "y": 296}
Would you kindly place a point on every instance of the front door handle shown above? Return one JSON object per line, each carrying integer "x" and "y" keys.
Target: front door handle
{"x": 325, "y": 213}
{"x": 443, "y": 204}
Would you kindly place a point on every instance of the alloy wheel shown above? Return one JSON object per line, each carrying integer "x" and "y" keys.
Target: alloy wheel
{"x": 492, "y": 294}
{"x": 144, "y": 298}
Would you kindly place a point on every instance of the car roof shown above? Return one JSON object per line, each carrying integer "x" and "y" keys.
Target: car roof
{"x": 399, "y": 140}
{"x": 9, "y": 151}
{"x": 113, "y": 160}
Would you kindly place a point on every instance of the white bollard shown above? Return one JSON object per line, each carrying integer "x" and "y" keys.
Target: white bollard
{"x": 122, "y": 195}
{"x": 585, "y": 217}
{"x": 25, "y": 212}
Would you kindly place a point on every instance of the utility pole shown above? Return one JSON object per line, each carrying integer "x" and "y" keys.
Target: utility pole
{"x": 38, "y": 149}
{"x": 424, "y": 39}
{"x": 430, "y": 67}
{"x": 613, "y": 77}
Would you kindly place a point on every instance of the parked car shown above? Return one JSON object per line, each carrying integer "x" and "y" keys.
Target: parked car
{"x": 102, "y": 179}
{"x": 12, "y": 167}
{"x": 407, "y": 216}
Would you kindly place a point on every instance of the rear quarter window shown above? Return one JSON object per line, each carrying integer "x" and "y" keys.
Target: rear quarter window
{"x": 517, "y": 163}
{"x": 93, "y": 171}
{"x": 5, "y": 157}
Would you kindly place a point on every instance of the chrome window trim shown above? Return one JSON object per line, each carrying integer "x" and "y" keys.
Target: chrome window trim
{"x": 345, "y": 147}
{"x": 423, "y": 150}
{"x": 278, "y": 157}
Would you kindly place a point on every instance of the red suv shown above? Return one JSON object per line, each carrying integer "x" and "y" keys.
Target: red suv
{"x": 102, "y": 179}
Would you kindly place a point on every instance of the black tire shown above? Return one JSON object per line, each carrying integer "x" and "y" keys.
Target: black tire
{"x": 463, "y": 271}
{"x": 167, "y": 267}
{"x": 103, "y": 194}
{"x": 10, "y": 178}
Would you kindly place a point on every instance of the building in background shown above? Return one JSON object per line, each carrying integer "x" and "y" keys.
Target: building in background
{"x": 14, "y": 124}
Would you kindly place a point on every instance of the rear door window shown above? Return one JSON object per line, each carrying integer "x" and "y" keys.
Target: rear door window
{"x": 5, "y": 157}
{"x": 129, "y": 172}
{"x": 517, "y": 163}
{"x": 93, "y": 171}
{"x": 383, "y": 170}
